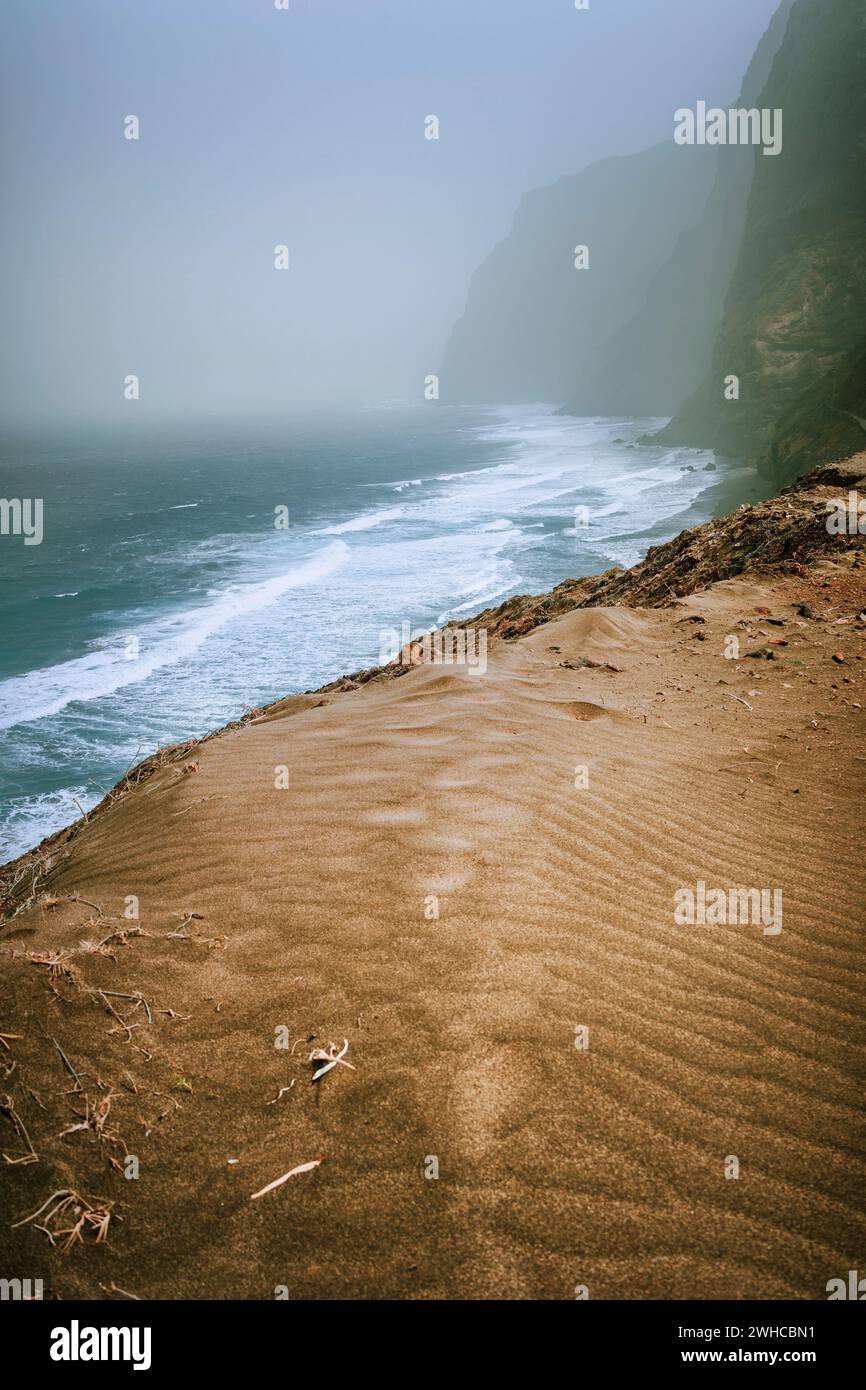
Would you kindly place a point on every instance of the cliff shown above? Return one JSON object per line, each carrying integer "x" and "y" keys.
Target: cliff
{"x": 792, "y": 329}
{"x": 632, "y": 334}
{"x": 534, "y": 325}
{"x": 660, "y": 356}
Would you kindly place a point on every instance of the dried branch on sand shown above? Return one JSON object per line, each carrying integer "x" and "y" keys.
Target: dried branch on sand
{"x": 292, "y": 1173}
{"x": 331, "y": 1058}
{"x": 113, "y": 1288}
{"x": 79, "y": 1085}
{"x": 95, "y": 1119}
{"x": 67, "y": 1204}
{"x": 281, "y": 1092}
{"x": 7, "y": 1107}
{"x": 56, "y": 962}
{"x": 182, "y": 934}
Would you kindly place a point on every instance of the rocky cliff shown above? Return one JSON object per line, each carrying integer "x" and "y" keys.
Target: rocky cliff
{"x": 662, "y": 353}
{"x": 534, "y": 325}
{"x": 793, "y": 325}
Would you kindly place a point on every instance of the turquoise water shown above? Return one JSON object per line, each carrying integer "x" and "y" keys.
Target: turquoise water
{"x": 162, "y": 600}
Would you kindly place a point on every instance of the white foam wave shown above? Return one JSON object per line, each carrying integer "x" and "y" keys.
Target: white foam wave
{"x": 40, "y": 694}
{"x": 27, "y": 820}
{"x": 365, "y": 522}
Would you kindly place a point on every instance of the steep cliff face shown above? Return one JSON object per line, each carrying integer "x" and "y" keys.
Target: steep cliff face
{"x": 663, "y": 352}
{"x": 534, "y": 324}
{"x": 793, "y": 324}
{"x": 827, "y": 423}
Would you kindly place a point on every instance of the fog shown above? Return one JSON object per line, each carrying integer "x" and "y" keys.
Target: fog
{"x": 306, "y": 128}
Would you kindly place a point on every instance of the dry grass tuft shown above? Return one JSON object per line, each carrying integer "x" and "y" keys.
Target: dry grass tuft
{"x": 86, "y": 1216}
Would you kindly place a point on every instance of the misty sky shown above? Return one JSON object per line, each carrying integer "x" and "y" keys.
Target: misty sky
{"x": 306, "y": 128}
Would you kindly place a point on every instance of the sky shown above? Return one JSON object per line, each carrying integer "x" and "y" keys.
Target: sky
{"x": 305, "y": 128}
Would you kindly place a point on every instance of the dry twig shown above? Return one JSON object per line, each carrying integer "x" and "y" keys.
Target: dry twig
{"x": 66, "y": 1202}
{"x": 331, "y": 1058}
{"x": 293, "y": 1172}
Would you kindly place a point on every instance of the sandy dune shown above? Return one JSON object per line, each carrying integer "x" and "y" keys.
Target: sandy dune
{"x": 558, "y": 1166}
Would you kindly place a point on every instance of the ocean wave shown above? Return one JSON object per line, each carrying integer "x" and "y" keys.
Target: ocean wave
{"x": 45, "y": 692}
{"x": 365, "y": 522}
{"x": 27, "y": 820}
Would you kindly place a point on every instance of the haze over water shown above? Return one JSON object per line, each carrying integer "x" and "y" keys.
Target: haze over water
{"x": 155, "y": 257}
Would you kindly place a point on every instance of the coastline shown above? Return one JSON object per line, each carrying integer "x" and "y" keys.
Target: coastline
{"x": 309, "y": 908}
{"x": 210, "y": 588}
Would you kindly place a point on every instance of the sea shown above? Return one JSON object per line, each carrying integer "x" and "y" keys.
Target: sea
{"x": 187, "y": 575}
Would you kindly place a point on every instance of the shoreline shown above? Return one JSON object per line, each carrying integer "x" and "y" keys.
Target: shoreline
{"x": 198, "y": 667}
{"x": 615, "y": 584}
{"x": 471, "y": 887}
